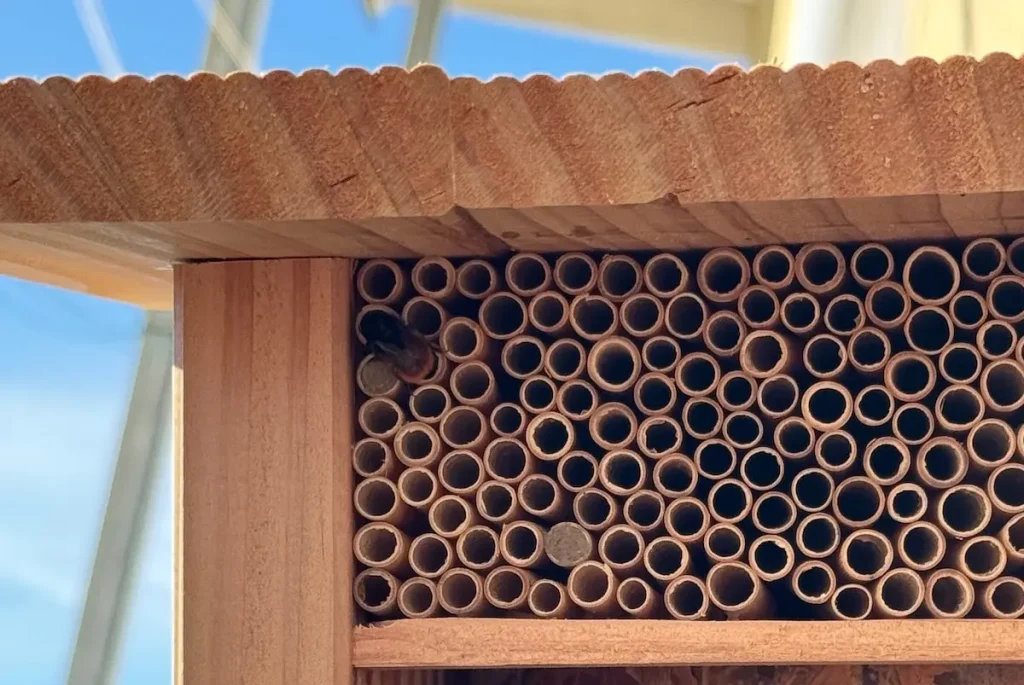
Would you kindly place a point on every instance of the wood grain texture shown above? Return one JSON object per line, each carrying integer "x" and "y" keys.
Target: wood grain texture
{"x": 104, "y": 184}
{"x": 496, "y": 643}
{"x": 263, "y": 502}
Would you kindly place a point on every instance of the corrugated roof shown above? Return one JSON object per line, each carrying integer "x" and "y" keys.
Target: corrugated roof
{"x": 104, "y": 184}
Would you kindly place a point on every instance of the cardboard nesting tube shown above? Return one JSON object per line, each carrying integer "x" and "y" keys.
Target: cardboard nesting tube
{"x": 1002, "y": 386}
{"x": 381, "y": 281}
{"x": 665, "y": 559}
{"x": 638, "y": 599}
{"x": 759, "y": 307}
{"x": 508, "y": 420}
{"x": 968, "y": 310}
{"x": 800, "y": 313}
{"x": 762, "y": 469}
{"x": 675, "y": 476}
{"x": 577, "y": 399}
{"x": 871, "y": 263}
{"x": 715, "y": 459}
{"x": 550, "y": 436}
{"x": 1005, "y": 489}
{"x": 774, "y": 267}
{"x": 654, "y": 394}
{"x": 818, "y": 536}
{"x": 910, "y": 376}
{"x": 508, "y": 460}
{"x": 418, "y": 487}
{"x": 380, "y": 417}
{"x": 618, "y": 277}
{"x": 425, "y": 316}
{"x": 764, "y": 354}
{"x": 659, "y": 436}
{"x": 772, "y": 557}
{"x": 497, "y": 502}
{"x": 736, "y": 391}
{"x": 959, "y": 408}
{"x": 698, "y": 374}
{"x": 1015, "y": 257}
{"x": 377, "y": 499}
{"x": 920, "y": 545}
{"x": 812, "y": 490}
{"x": 858, "y": 502}
{"x": 813, "y": 581}
{"x": 575, "y": 273}
{"x": 434, "y": 277}
{"x": 827, "y": 406}
{"x": 940, "y": 463}
{"x": 844, "y": 315}
{"x": 887, "y": 305}
{"x": 477, "y": 548}
{"x": 592, "y": 587}
{"x": 644, "y": 510}
{"x": 366, "y": 309}
{"x": 614, "y": 364}
{"x": 428, "y": 403}
{"x": 962, "y": 511}
{"x": 724, "y": 542}
{"x": 524, "y": 356}
{"x": 996, "y": 339}
{"x": 538, "y": 394}
{"x": 568, "y": 544}
{"x": 868, "y": 350}
{"x": 660, "y": 354}
{"x": 723, "y": 273}
{"x": 702, "y": 418}
{"x": 836, "y": 452}
{"x": 522, "y": 544}
{"x": 477, "y": 279}
{"x": 461, "y": 472}
{"x": 982, "y": 558}
{"x": 376, "y": 377}
{"x": 1003, "y": 598}
{"x": 450, "y": 516}
{"x": 1012, "y": 537}
{"x": 595, "y": 510}
{"x": 928, "y": 330}
{"x": 527, "y": 274}
{"x": 686, "y": 598}
{"x": 982, "y": 260}
{"x": 865, "y": 555}
{"x": 886, "y": 460}
{"x": 820, "y": 268}
{"x": 825, "y": 356}
{"x": 382, "y": 546}
{"x": 734, "y": 588}
{"x": 931, "y": 275}
{"x": 687, "y": 519}
{"x": 376, "y": 591}
{"x": 549, "y": 599}
{"x": 898, "y": 594}
{"x": 913, "y": 423}
{"x": 665, "y": 275}
{"x": 430, "y": 555}
{"x": 642, "y": 315}
{"x": 778, "y": 397}
{"x": 773, "y": 513}
{"x": 742, "y": 429}
{"x": 503, "y": 315}
{"x": 622, "y": 472}
{"x": 686, "y": 316}
{"x": 730, "y": 501}
{"x": 1005, "y": 298}
{"x": 474, "y": 385}
{"x": 418, "y": 444}
{"x": 577, "y": 471}
{"x": 417, "y": 598}
{"x": 906, "y": 503}
{"x": 565, "y": 359}
{"x": 960, "y": 363}
{"x": 461, "y": 593}
{"x": 548, "y": 312}
{"x": 851, "y": 602}
{"x": 464, "y": 428}
{"x": 507, "y": 587}
{"x": 373, "y": 457}
{"x": 612, "y": 425}
{"x": 723, "y": 334}
{"x": 874, "y": 406}
{"x": 540, "y": 496}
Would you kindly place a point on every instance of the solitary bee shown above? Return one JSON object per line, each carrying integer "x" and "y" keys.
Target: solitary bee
{"x": 409, "y": 353}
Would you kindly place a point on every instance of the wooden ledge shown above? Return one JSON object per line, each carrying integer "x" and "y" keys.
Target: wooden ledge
{"x": 498, "y": 643}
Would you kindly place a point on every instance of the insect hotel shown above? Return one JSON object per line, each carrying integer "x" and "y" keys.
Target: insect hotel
{"x": 703, "y": 369}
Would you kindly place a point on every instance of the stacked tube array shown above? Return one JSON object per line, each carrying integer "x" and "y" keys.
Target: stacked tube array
{"x": 817, "y": 432}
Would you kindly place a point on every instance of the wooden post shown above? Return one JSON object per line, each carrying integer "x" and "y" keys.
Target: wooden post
{"x": 263, "y": 416}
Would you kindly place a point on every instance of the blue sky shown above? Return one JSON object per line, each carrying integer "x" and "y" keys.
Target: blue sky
{"x": 67, "y": 361}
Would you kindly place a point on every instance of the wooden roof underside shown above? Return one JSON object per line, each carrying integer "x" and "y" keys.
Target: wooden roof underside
{"x": 104, "y": 184}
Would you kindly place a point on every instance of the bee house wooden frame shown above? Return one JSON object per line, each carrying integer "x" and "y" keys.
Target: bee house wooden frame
{"x": 244, "y": 202}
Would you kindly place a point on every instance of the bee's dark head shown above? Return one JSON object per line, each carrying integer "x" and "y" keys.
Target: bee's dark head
{"x": 379, "y": 326}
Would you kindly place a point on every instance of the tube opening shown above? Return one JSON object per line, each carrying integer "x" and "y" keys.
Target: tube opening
{"x": 872, "y": 264}
{"x": 800, "y": 311}
{"x": 1007, "y": 298}
{"x": 538, "y": 494}
{"x": 820, "y": 266}
{"x": 774, "y": 266}
{"x": 815, "y": 583}
{"x": 476, "y": 279}
{"x": 724, "y": 542}
{"x": 615, "y": 364}
{"x": 660, "y": 354}
{"x": 594, "y": 316}
{"x": 774, "y": 512}
{"x": 380, "y": 416}
{"x": 538, "y": 393}
{"x": 984, "y": 259}
{"x": 376, "y": 544}
{"x": 844, "y": 315}
{"x": 929, "y": 329}
{"x": 642, "y": 314}
{"x": 675, "y": 476}
{"x": 376, "y": 497}
{"x": 479, "y": 547}
{"x": 852, "y": 602}
{"x": 508, "y": 419}
{"x": 417, "y": 444}
{"x": 886, "y": 461}
{"x": 369, "y": 456}
{"x": 619, "y": 276}
{"x": 549, "y": 310}
{"x": 524, "y": 356}
{"x": 866, "y": 555}
{"x": 686, "y": 598}
{"x": 1015, "y": 534}
{"x": 472, "y": 381}
{"x": 527, "y": 272}
{"x": 901, "y": 592}
{"x": 813, "y": 489}
{"x": 685, "y": 314}
{"x": 417, "y": 487}
{"x": 1008, "y": 486}
{"x": 459, "y": 590}
{"x": 505, "y": 586}
{"x": 875, "y": 405}
{"x": 743, "y": 429}
{"x": 460, "y": 338}
{"x": 633, "y": 594}
{"x": 424, "y": 316}
{"x": 461, "y": 470}
{"x": 698, "y": 374}
{"x": 778, "y": 395}
{"x": 825, "y": 355}
{"x": 858, "y": 501}
{"x": 770, "y": 557}
{"x": 764, "y": 352}
{"x": 913, "y": 423}
{"x": 625, "y": 470}
{"x": 496, "y": 500}
{"x": 910, "y": 375}
{"x": 687, "y": 518}
{"x": 614, "y": 427}
{"x": 827, "y": 405}
{"x": 922, "y": 545}
{"x": 819, "y": 535}
{"x": 589, "y": 583}
{"x": 565, "y": 358}
{"x": 503, "y": 314}
{"x": 1008, "y": 596}
{"x": 961, "y": 406}
{"x": 701, "y": 417}
{"x": 998, "y": 338}
{"x": 449, "y": 514}
{"x": 665, "y": 274}
{"x": 545, "y": 597}
{"x": 506, "y": 459}
{"x": 758, "y": 306}
{"x": 908, "y": 503}
{"x": 579, "y": 399}
{"x": 836, "y": 450}
{"x": 724, "y": 334}
{"x": 943, "y": 461}
{"x": 1015, "y": 255}
{"x": 461, "y": 426}
{"x": 950, "y": 595}
{"x": 932, "y": 274}
{"x": 869, "y": 349}
{"x": 964, "y": 511}
{"x": 724, "y": 274}
{"x": 521, "y": 542}
{"x": 374, "y": 589}
{"x": 551, "y": 435}
{"x": 417, "y": 597}
{"x": 888, "y": 303}
{"x": 577, "y": 470}
{"x": 655, "y": 393}
{"x": 1004, "y": 383}
{"x": 621, "y": 546}
{"x": 729, "y": 500}
{"x": 968, "y": 310}
{"x": 731, "y": 585}
{"x": 593, "y": 508}
{"x": 575, "y": 272}
{"x": 644, "y": 509}
{"x": 379, "y": 280}
{"x": 665, "y": 557}
{"x": 738, "y": 391}
{"x": 429, "y": 402}
{"x": 715, "y": 459}
{"x": 430, "y": 555}
{"x": 762, "y": 468}
{"x": 961, "y": 364}
{"x": 984, "y": 557}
